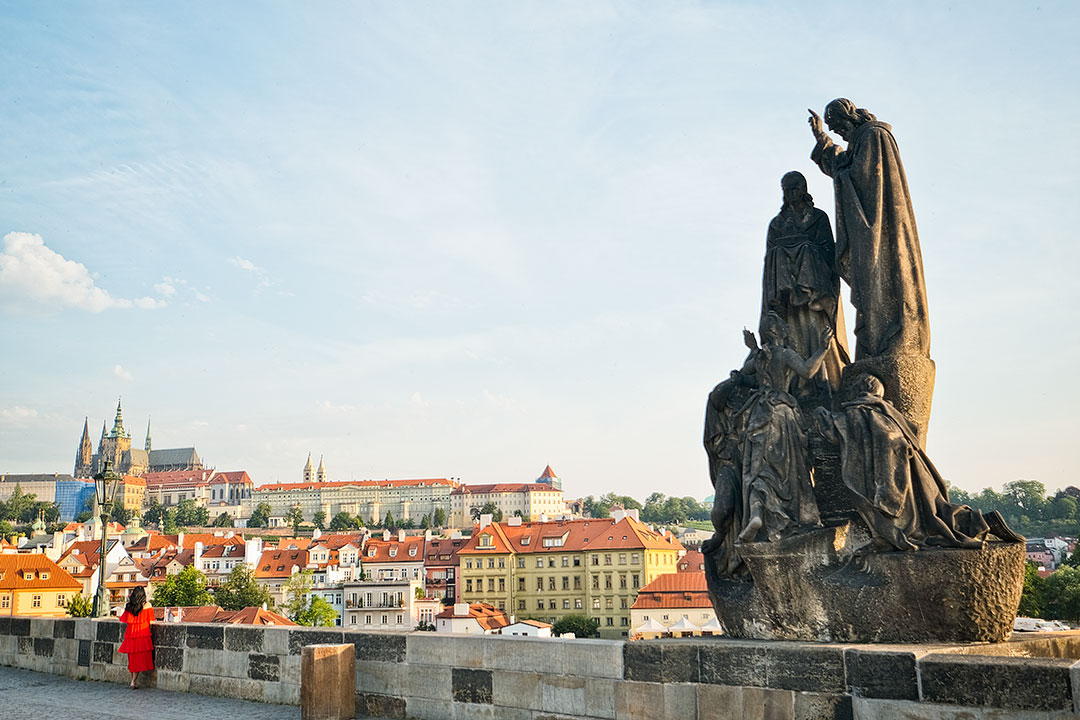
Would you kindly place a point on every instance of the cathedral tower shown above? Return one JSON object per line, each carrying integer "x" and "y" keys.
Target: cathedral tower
{"x": 84, "y": 456}
{"x": 146, "y": 445}
{"x": 309, "y": 470}
{"x": 320, "y": 474}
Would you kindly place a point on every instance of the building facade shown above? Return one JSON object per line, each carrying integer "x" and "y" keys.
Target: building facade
{"x": 548, "y": 570}
{"x": 115, "y": 447}
{"x": 32, "y": 584}
{"x": 529, "y": 501}
{"x": 370, "y": 499}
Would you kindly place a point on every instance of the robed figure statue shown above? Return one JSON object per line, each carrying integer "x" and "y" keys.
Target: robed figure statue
{"x": 877, "y": 243}
{"x": 800, "y": 282}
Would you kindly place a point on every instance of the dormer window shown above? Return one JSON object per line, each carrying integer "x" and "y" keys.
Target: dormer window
{"x": 371, "y": 552}
{"x": 412, "y": 552}
{"x": 485, "y": 541}
{"x": 393, "y": 552}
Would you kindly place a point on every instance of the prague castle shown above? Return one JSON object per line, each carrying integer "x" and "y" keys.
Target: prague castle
{"x": 115, "y": 447}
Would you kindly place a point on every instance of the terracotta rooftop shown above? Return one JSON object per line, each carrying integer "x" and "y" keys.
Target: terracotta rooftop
{"x": 692, "y": 561}
{"x": 571, "y": 536}
{"x": 359, "y": 483}
{"x": 279, "y": 563}
{"x": 488, "y": 617}
{"x": 674, "y": 590}
{"x": 502, "y": 488}
{"x": 411, "y": 549}
{"x": 23, "y": 571}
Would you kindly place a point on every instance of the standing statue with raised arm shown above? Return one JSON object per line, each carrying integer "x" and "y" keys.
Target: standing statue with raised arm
{"x": 878, "y": 254}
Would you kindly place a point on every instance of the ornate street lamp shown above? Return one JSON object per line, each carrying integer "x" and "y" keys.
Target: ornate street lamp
{"x": 105, "y": 485}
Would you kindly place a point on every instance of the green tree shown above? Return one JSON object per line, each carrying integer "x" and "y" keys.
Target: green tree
{"x": 317, "y": 613}
{"x": 6, "y": 529}
{"x": 581, "y": 625}
{"x": 83, "y": 516}
{"x": 1062, "y": 594}
{"x": 186, "y": 589}
{"x": 1029, "y": 495}
{"x": 1033, "y": 599}
{"x": 154, "y": 514}
{"x": 20, "y": 506}
{"x": 240, "y": 590}
{"x": 185, "y": 512}
{"x": 320, "y": 519}
{"x": 260, "y": 516}
{"x": 121, "y": 514}
{"x": 168, "y": 522}
{"x": 490, "y": 508}
{"x": 425, "y": 522}
{"x": 223, "y": 520}
{"x": 342, "y": 521}
{"x": 296, "y": 590}
{"x": 388, "y": 522}
{"x": 294, "y": 517}
{"x": 80, "y": 606}
{"x": 439, "y": 518}
{"x": 1063, "y": 508}
{"x": 202, "y": 517}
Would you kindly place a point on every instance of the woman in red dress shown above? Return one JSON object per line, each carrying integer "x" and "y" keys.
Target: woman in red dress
{"x": 137, "y": 643}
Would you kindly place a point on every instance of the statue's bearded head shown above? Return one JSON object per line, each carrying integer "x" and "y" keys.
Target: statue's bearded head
{"x": 844, "y": 118}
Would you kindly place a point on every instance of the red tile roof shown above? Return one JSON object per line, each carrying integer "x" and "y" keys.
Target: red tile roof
{"x": 674, "y": 590}
{"x": 488, "y": 617}
{"x": 279, "y": 563}
{"x": 22, "y": 571}
{"x": 502, "y": 488}
{"x": 574, "y": 536}
{"x": 549, "y": 474}
{"x": 692, "y": 561}
{"x": 360, "y": 483}
{"x": 411, "y": 549}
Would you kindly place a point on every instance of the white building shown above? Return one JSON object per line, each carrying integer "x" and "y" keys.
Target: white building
{"x": 528, "y": 628}
{"x": 475, "y": 618}
{"x": 525, "y": 500}
{"x": 388, "y": 605}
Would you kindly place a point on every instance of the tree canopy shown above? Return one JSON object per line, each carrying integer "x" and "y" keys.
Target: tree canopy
{"x": 186, "y": 589}
{"x": 240, "y": 590}
{"x": 581, "y": 625}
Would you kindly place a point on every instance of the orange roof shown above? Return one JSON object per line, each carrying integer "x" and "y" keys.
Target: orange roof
{"x": 336, "y": 541}
{"x": 231, "y": 476}
{"x": 675, "y": 590}
{"x": 692, "y": 561}
{"x": 214, "y": 614}
{"x": 177, "y": 478}
{"x": 411, "y": 549}
{"x": 226, "y": 550}
{"x": 359, "y": 483}
{"x": 488, "y": 617}
{"x": 279, "y": 563}
{"x": 571, "y": 536}
{"x": 502, "y": 488}
{"x": 549, "y": 474}
{"x": 22, "y": 571}
{"x": 288, "y": 543}
{"x": 442, "y": 552}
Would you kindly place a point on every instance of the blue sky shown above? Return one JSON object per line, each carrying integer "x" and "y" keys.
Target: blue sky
{"x": 470, "y": 239}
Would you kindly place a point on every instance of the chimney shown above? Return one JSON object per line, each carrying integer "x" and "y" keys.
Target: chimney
{"x": 180, "y": 540}
{"x": 198, "y": 556}
{"x": 543, "y": 517}
{"x": 461, "y": 609}
{"x": 427, "y": 535}
{"x": 386, "y": 535}
{"x": 514, "y": 521}
{"x": 401, "y": 535}
{"x": 485, "y": 520}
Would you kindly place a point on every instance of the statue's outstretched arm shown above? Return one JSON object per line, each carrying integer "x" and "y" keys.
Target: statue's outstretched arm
{"x": 809, "y": 368}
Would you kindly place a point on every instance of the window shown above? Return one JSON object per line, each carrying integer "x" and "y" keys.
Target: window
{"x": 577, "y": 582}
{"x": 539, "y": 584}
{"x": 551, "y": 583}
{"x": 577, "y": 561}
{"x": 491, "y": 563}
{"x": 43, "y": 575}
{"x": 491, "y": 585}
{"x": 398, "y": 619}
{"x": 35, "y": 601}
{"x": 622, "y": 558}
{"x": 595, "y": 582}
{"x": 551, "y": 562}
{"x": 565, "y": 604}
{"x": 596, "y": 603}
{"x": 607, "y": 582}
{"x": 61, "y": 600}
{"x": 610, "y": 621}
{"x": 468, "y": 585}
{"x": 521, "y": 563}
{"x": 565, "y": 561}
{"x": 539, "y": 604}
{"x": 521, "y": 604}
{"x": 577, "y": 603}
{"x": 622, "y": 582}
{"x": 623, "y": 604}
{"x": 636, "y": 582}
{"x": 384, "y": 620}
{"x": 502, "y": 562}
{"x": 468, "y": 564}
{"x": 502, "y": 584}
{"x": 521, "y": 584}
{"x": 539, "y": 562}
{"x": 634, "y": 558}
{"x": 551, "y": 605}
{"x": 624, "y": 621}
{"x": 595, "y": 559}
{"x": 5, "y": 601}
{"x": 607, "y": 558}
{"x": 609, "y": 603}
{"x": 565, "y": 582}
{"x": 485, "y": 541}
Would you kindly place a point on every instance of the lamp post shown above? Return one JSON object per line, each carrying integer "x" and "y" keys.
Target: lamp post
{"x": 105, "y": 484}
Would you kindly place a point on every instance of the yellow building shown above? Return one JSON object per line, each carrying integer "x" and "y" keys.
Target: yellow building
{"x": 552, "y": 569}
{"x": 131, "y": 493}
{"x": 32, "y": 584}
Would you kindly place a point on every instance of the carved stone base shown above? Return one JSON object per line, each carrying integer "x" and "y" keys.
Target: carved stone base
{"x": 908, "y": 380}
{"x": 811, "y": 586}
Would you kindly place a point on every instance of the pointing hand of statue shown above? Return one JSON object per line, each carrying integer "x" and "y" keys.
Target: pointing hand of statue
{"x": 815, "y": 124}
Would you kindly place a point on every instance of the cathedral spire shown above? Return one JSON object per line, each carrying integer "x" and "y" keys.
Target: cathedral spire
{"x": 320, "y": 474}
{"x": 118, "y": 422}
{"x": 309, "y": 469}
{"x": 146, "y": 447}
{"x": 84, "y": 457}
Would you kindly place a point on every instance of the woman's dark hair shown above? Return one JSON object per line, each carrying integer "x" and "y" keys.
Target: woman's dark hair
{"x": 136, "y": 600}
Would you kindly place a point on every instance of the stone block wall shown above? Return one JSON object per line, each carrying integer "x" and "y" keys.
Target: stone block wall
{"x": 431, "y": 676}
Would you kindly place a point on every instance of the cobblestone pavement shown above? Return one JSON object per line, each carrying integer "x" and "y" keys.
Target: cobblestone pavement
{"x": 27, "y": 695}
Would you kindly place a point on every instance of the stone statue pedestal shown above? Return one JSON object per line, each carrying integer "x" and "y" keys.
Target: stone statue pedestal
{"x": 812, "y": 586}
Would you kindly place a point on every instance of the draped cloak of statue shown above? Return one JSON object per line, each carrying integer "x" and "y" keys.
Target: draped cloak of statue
{"x": 877, "y": 244}
{"x": 800, "y": 283}
{"x": 904, "y": 498}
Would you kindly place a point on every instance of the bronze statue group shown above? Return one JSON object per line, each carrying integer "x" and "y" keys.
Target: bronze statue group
{"x": 801, "y": 383}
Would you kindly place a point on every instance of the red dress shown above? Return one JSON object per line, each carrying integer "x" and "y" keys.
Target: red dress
{"x": 137, "y": 643}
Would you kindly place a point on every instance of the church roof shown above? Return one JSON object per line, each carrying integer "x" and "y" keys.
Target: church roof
{"x": 136, "y": 456}
{"x": 548, "y": 474}
{"x": 174, "y": 456}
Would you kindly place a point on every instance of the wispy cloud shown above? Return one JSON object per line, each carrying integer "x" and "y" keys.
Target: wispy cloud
{"x": 246, "y": 265}
{"x": 121, "y": 373}
{"x": 37, "y": 279}
{"x": 18, "y": 414}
